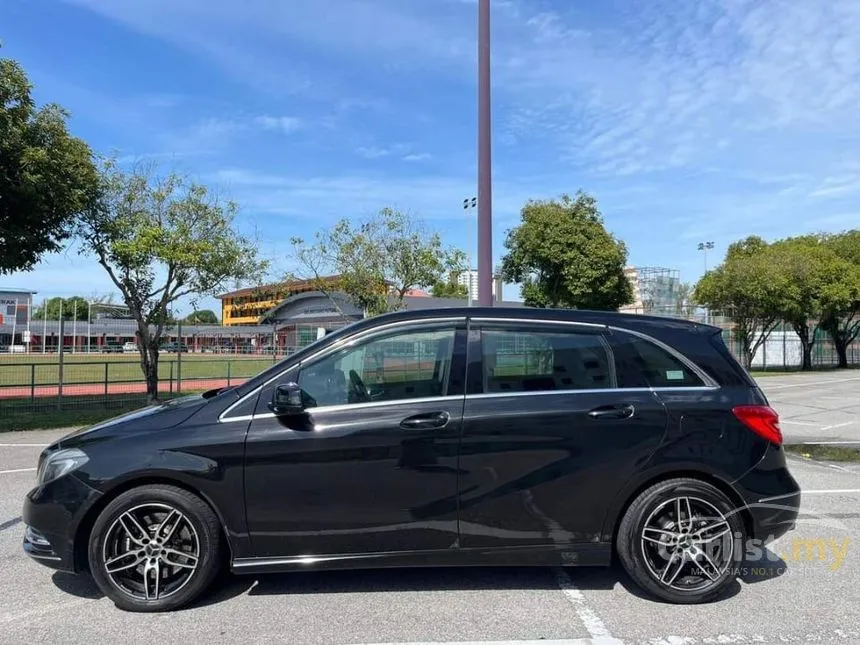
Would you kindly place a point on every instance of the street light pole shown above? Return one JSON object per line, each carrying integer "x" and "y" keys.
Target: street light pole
{"x": 469, "y": 204}
{"x": 705, "y": 247}
{"x": 485, "y": 186}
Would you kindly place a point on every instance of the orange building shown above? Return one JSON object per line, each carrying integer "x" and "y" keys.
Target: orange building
{"x": 246, "y": 306}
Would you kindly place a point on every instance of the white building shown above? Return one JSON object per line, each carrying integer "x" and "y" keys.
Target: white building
{"x": 469, "y": 279}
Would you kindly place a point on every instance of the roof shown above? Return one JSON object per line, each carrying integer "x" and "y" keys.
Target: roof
{"x": 23, "y": 291}
{"x": 518, "y": 311}
{"x": 285, "y": 287}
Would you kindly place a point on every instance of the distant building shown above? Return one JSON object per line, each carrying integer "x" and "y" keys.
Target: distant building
{"x": 469, "y": 279}
{"x": 655, "y": 290}
{"x": 247, "y": 306}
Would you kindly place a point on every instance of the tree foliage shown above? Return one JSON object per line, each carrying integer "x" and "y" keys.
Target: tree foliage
{"x": 449, "y": 288}
{"x": 46, "y": 175}
{"x": 76, "y": 307}
{"x": 685, "y": 300}
{"x": 162, "y": 237}
{"x": 810, "y": 282}
{"x": 202, "y": 317}
{"x": 376, "y": 261}
{"x": 842, "y": 316}
{"x": 749, "y": 288}
{"x": 563, "y": 256}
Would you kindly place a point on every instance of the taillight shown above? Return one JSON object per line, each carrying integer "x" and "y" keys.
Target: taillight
{"x": 761, "y": 419}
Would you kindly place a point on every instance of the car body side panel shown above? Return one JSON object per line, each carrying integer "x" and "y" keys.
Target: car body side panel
{"x": 205, "y": 456}
{"x": 538, "y": 470}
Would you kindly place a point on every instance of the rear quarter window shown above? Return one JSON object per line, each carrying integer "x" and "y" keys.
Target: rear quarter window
{"x": 643, "y": 363}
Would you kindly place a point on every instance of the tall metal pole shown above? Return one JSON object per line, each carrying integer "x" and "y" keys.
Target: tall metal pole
{"x": 485, "y": 185}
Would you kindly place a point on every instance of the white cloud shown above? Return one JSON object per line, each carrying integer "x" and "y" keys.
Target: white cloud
{"x": 421, "y": 156}
{"x": 377, "y": 152}
{"x": 285, "y": 124}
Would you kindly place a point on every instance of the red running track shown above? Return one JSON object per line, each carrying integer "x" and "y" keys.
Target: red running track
{"x": 96, "y": 389}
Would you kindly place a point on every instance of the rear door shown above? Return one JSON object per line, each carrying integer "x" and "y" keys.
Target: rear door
{"x": 548, "y": 436}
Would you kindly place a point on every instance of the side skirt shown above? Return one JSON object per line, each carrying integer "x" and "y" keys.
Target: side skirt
{"x": 540, "y": 556}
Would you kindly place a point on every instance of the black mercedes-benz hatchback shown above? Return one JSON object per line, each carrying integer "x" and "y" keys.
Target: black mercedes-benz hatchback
{"x": 452, "y": 437}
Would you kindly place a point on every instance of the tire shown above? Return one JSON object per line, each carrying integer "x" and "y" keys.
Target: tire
{"x": 155, "y": 548}
{"x": 649, "y": 537}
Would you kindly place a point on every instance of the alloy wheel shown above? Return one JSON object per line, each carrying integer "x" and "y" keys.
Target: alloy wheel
{"x": 687, "y": 544}
{"x": 151, "y": 551}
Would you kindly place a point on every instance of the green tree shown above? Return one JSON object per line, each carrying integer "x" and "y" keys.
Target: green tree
{"x": 685, "y": 301}
{"x": 376, "y": 261}
{"x": 46, "y": 175}
{"x": 748, "y": 288}
{"x": 563, "y": 256}
{"x": 449, "y": 288}
{"x": 816, "y": 282}
{"x": 842, "y": 317}
{"x": 76, "y": 307}
{"x": 160, "y": 238}
{"x": 202, "y": 317}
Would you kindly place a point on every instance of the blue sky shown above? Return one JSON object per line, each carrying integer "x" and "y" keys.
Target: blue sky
{"x": 688, "y": 120}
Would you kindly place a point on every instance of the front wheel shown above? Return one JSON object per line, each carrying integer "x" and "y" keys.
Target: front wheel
{"x": 680, "y": 540}
{"x": 155, "y": 548}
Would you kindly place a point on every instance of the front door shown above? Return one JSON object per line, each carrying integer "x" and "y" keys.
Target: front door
{"x": 549, "y": 438}
{"x": 371, "y": 467}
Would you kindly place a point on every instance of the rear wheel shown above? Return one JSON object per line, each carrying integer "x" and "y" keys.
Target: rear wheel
{"x": 681, "y": 540}
{"x": 155, "y": 548}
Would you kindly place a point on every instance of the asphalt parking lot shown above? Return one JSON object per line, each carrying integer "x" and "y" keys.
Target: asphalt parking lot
{"x": 793, "y": 594}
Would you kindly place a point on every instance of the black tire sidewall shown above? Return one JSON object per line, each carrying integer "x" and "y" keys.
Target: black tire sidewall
{"x": 628, "y": 542}
{"x": 200, "y": 515}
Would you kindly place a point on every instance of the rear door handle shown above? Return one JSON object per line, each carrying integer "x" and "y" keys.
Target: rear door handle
{"x": 428, "y": 420}
{"x": 623, "y": 411}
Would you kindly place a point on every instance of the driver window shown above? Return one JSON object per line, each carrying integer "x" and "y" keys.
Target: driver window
{"x": 404, "y": 365}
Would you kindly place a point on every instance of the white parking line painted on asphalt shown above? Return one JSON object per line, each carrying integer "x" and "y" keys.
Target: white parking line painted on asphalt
{"x": 568, "y": 641}
{"x": 799, "y": 423}
{"x": 590, "y": 620}
{"x": 832, "y": 491}
{"x": 807, "y": 384}
{"x": 33, "y": 613}
{"x": 17, "y": 470}
{"x": 829, "y": 443}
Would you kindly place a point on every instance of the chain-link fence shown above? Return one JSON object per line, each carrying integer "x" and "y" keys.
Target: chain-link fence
{"x": 99, "y": 366}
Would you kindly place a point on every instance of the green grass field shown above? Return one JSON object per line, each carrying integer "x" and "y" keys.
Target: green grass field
{"x": 76, "y": 411}
{"x": 21, "y": 370}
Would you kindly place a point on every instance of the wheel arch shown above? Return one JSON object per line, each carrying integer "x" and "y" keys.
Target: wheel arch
{"x": 85, "y": 526}
{"x": 624, "y": 499}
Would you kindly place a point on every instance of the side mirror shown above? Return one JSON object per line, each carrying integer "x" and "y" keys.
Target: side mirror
{"x": 287, "y": 399}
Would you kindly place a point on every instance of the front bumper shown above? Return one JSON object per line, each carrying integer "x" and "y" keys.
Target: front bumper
{"x": 771, "y": 495}
{"x": 52, "y": 514}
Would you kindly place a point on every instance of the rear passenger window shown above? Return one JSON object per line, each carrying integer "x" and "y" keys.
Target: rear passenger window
{"x": 531, "y": 360}
{"x": 641, "y": 363}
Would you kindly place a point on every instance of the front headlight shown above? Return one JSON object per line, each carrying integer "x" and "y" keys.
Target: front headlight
{"x": 59, "y": 463}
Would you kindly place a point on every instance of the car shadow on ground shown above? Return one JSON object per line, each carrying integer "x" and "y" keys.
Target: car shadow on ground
{"x": 229, "y": 586}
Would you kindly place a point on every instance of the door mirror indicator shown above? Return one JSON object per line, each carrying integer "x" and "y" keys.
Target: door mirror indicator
{"x": 287, "y": 399}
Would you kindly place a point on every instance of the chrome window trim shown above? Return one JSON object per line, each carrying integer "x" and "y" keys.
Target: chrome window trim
{"x": 601, "y": 390}
{"x": 337, "y": 346}
{"x": 538, "y": 321}
{"x": 486, "y": 395}
{"x": 458, "y": 398}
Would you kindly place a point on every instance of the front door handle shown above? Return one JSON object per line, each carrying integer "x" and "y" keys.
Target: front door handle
{"x": 428, "y": 420}
{"x": 623, "y": 411}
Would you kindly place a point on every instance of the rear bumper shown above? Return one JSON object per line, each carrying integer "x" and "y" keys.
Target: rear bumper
{"x": 771, "y": 496}
{"x": 52, "y": 514}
